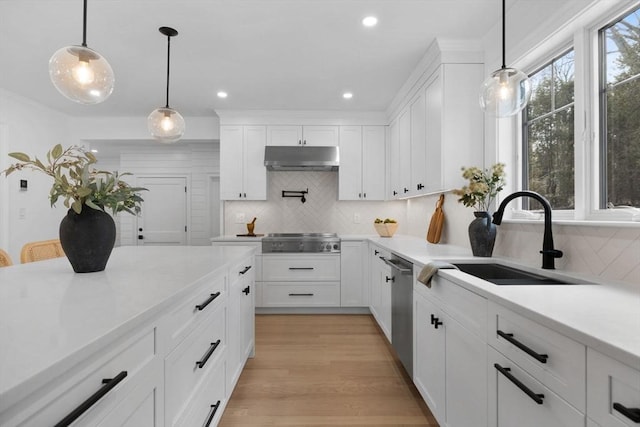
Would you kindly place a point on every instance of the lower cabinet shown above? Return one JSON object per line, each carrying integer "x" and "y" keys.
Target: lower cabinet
{"x": 380, "y": 303}
{"x": 354, "y": 289}
{"x": 450, "y": 356}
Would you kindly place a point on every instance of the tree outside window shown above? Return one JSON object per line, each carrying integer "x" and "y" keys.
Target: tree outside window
{"x": 620, "y": 112}
{"x": 548, "y": 134}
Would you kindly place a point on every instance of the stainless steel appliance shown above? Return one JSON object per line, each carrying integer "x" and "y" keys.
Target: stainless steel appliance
{"x": 402, "y": 310}
{"x": 301, "y": 158}
{"x": 301, "y": 243}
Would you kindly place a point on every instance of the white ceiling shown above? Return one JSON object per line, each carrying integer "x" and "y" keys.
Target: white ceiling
{"x": 267, "y": 54}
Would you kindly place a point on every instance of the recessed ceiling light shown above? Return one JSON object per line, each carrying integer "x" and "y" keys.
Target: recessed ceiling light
{"x": 370, "y": 21}
{"x": 347, "y": 95}
{"x": 222, "y": 94}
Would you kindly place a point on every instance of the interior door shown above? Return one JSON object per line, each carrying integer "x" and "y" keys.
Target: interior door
{"x": 163, "y": 220}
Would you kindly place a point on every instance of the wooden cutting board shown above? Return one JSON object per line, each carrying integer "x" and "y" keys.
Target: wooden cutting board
{"x": 437, "y": 221}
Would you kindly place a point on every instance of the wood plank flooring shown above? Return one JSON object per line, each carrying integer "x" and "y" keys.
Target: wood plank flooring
{"x": 324, "y": 370}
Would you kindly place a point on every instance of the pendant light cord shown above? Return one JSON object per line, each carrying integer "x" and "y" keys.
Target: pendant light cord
{"x": 84, "y": 25}
{"x": 504, "y": 62}
{"x": 168, "y": 62}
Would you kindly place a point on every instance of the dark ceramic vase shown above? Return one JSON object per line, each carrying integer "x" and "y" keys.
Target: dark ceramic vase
{"x": 87, "y": 239}
{"x": 482, "y": 234}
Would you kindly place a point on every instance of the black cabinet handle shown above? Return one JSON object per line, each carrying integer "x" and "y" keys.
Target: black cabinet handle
{"x": 632, "y": 413}
{"x": 542, "y": 358}
{"x": 109, "y": 383}
{"x": 395, "y": 193}
{"x": 364, "y": 195}
{"x": 247, "y": 268}
{"x": 206, "y": 357}
{"x": 375, "y": 252}
{"x": 300, "y": 295}
{"x": 406, "y": 190}
{"x": 214, "y": 409}
{"x": 246, "y": 290}
{"x": 537, "y": 397}
{"x": 419, "y": 186}
{"x": 202, "y": 306}
{"x": 435, "y": 321}
{"x": 389, "y": 279}
{"x": 300, "y": 268}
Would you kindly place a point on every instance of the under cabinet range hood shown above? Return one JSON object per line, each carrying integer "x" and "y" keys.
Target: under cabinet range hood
{"x": 301, "y": 158}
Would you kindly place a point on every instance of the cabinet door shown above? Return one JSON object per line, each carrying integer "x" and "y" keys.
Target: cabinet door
{"x": 418, "y": 149}
{"x": 255, "y": 173}
{"x": 466, "y": 377}
{"x": 321, "y": 135}
{"x": 231, "y": 162}
{"x": 353, "y": 289}
{"x": 404, "y": 138}
{"x": 429, "y": 356}
{"x": 373, "y": 162}
{"x": 350, "y": 170}
{"x": 394, "y": 160}
{"x": 284, "y": 135}
{"x": 433, "y": 135}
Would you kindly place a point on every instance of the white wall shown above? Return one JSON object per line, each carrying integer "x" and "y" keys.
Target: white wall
{"x": 31, "y": 128}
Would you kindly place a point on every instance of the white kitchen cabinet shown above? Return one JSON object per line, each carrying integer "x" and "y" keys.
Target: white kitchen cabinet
{"x": 418, "y": 152}
{"x": 241, "y": 319}
{"x": 613, "y": 391}
{"x": 404, "y": 147}
{"x": 395, "y": 183}
{"x": 380, "y": 304}
{"x": 362, "y": 163}
{"x": 450, "y": 352}
{"x": 243, "y": 175}
{"x": 317, "y": 135}
{"x": 354, "y": 289}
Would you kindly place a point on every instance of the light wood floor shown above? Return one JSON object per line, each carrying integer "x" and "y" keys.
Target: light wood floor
{"x": 324, "y": 370}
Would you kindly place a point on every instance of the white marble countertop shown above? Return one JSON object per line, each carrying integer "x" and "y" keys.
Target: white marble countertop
{"x": 51, "y": 317}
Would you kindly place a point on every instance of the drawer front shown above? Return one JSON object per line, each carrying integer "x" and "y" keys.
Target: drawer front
{"x": 57, "y": 400}
{"x": 191, "y": 361}
{"x": 188, "y": 315}
{"x": 613, "y": 391}
{"x": 562, "y": 370}
{"x": 208, "y": 404}
{"x": 308, "y": 294}
{"x": 510, "y": 406}
{"x": 469, "y": 309}
{"x": 319, "y": 268}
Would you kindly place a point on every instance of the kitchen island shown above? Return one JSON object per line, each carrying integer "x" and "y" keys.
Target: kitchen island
{"x": 60, "y": 329}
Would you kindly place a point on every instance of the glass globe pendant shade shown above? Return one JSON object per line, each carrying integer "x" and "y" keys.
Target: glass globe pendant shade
{"x": 166, "y": 125}
{"x": 81, "y": 74}
{"x": 505, "y": 92}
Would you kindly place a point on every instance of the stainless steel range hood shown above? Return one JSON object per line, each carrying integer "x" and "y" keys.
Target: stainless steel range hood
{"x": 301, "y": 158}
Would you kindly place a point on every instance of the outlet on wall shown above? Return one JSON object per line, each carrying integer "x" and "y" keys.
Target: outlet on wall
{"x": 356, "y": 218}
{"x": 240, "y": 219}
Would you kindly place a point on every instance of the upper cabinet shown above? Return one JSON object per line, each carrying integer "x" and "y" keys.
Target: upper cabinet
{"x": 322, "y": 135}
{"x": 243, "y": 175}
{"x": 439, "y": 130}
{"x": 362, "y": 163}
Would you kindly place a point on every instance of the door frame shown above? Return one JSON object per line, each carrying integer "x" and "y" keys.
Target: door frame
{"x": 187, "y": 201}
{"x": 210, "y": 178}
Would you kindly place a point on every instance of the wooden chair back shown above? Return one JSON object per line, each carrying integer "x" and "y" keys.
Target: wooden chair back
{"x": 38, "y": 251}
{"x": 5, "y": 259}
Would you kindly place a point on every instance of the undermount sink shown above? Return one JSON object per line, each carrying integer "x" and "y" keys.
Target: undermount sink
{"x": 499, "y": 274}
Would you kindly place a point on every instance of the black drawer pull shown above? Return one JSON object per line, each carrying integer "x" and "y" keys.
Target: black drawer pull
{"x": 202, "y": 306}
{"x": 389, "y": 279}
{"x": 206, "y": 357}
{"x": 435, "y": 321}
{"x": 246, "y": 290}
{"x": 247, "y": 268}
{"x": 632, "y": 413}
{"x": 300, "y": 268}
{"x": 505, "y": 371}
{"x": 214, "y": 409}
{"x": 376, "y": 252}
{"x": 300, "y": 295}
{"x": 542, "y": 358}
{"x": 109, "y": 383}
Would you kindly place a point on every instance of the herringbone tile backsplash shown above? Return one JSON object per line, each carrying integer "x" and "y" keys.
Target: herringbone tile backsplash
{"x": 607, "y": 252}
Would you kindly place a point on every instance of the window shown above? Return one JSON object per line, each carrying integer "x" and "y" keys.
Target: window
{"x": 619, "y": 112}
{"x": 548, "y": 136}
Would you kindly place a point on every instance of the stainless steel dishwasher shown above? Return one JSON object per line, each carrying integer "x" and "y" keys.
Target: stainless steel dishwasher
{"x": 402, "y": 310}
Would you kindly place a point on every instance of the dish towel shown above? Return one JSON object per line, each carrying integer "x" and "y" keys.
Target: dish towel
{"x": 429, "y": 270}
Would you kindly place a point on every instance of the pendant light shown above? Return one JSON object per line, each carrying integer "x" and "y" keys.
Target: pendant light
{"x": 166, "y": 124}
{"x": 507, "y": 90}
{"x": 81, "y": 74}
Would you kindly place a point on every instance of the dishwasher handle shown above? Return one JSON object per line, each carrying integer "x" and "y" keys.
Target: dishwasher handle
{"x": 400, "y": 266}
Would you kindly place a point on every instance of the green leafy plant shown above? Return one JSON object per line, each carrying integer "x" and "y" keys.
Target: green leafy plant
{"x": 484, "y": 186}
{"x": 78, "y": 183}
